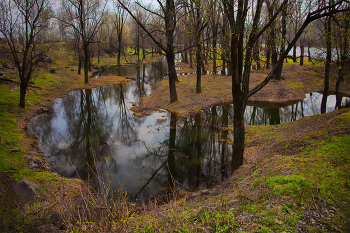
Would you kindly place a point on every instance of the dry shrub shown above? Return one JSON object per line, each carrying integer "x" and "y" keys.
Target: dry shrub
{"x": 76, "y": 205}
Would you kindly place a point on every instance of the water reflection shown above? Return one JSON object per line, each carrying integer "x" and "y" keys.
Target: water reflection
{"x": 269, "y": 115}
{"x": 150, "y": 154}
{"x": 95, "y": 127}
{"x": 193, "y": 154}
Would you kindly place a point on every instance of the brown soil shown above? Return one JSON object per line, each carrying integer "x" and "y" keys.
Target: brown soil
{"x": 216, "y": 89}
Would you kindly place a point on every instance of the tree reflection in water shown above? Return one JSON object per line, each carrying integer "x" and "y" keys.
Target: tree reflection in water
{"x": 148, "y": 155}
{"x": 190, "y": 157}
{"x": 272, "y": 115}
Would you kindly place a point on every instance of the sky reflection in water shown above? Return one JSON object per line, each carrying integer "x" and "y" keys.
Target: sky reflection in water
{"x": 145, "y": 154}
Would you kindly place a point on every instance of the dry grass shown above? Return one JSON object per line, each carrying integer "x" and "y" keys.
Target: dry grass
{"x": 285, "y": 184}
{"x": 278, "y": 159}
{"x": 61, "y": 203}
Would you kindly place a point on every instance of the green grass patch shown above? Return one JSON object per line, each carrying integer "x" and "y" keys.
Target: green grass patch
{"x": 8, "y": 129}
{"x": 331, "y": 167}
{"x": 292, "y": 185}
{"x": 45, "y": 80}
{"x": 34, "y": 176}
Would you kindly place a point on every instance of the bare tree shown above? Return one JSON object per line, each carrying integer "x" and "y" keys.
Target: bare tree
{"x": 278, "y": 75}
{"x": 167, "y": 16}
{"x": 197, "y": 16}
{"x": 328, "y": 30}
{"x": 119, "y": 17}
{"x": 342, "y": 44}
{"x": 214, "y": 24}
{"x": 21, "y": 23}
{"x": 240, "y": 77}
{"x": 85, "y": 17}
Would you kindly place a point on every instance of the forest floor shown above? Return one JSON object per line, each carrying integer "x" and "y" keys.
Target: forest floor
{"x": 295, "y": 176}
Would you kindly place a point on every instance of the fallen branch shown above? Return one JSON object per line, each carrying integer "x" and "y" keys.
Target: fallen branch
{"x": 12, "y": 81}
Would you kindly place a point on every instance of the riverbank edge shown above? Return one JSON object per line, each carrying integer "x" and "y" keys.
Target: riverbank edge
{"x": 61, "y": 181}
{"x": 294, "y": 179}
{"x": 21, "y": 160}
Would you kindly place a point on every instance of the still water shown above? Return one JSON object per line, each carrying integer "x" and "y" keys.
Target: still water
{"x": 95, "y": 128}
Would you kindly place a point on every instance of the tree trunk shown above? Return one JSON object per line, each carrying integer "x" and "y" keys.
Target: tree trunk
{"x": 337, "y": 96}
{"x": 301, "y": 54}
{"x": 223, "y": 71}
{"x": 327, "y": 65}
{"x": 273, "y": 41}
{"x": 238, "y": 122}
{"x": 240, "y": 54}
{"x": 90, "y": 60}
{"x": 229, "y": 70}
{"x": 294, "y": 53}
{"x": 191, "y": 61}
{"x": 205, "y": 51}
{"x": 199, "y": 57}
{"x": 278, "y": 75}
{"x": 172, "y": 76}
{"x": 309, "y": 54}
{"x": 340, "y": 75}
{"x": 343, "y": 59}
{"x": 257, "y": 56}
{"x": 238, "y": 96}
{"x": 268, "y": 52}
{"x": 80, "y": 64}
{"x": 204, "y": 72}
{"x": 214, "y": 53}
{"x": 22, "y": 94}
{"x": 138, "y": 45}
{"x": 274, "y": 56}
{"x": 199, "y": 63}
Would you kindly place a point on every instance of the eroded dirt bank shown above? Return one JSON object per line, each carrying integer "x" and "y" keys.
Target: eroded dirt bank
{"x": 216, "y": 89}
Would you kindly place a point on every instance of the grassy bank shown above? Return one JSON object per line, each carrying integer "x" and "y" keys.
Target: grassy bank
{"x": 18, "y": 150}
{"x": 295, "y": 179}
{"x": 295, "y": 176}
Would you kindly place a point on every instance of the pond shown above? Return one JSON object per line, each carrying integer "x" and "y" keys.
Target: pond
{"x": 94, "y": 130}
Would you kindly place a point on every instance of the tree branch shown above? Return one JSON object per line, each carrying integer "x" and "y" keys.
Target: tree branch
{"x": 142, "y": 26}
